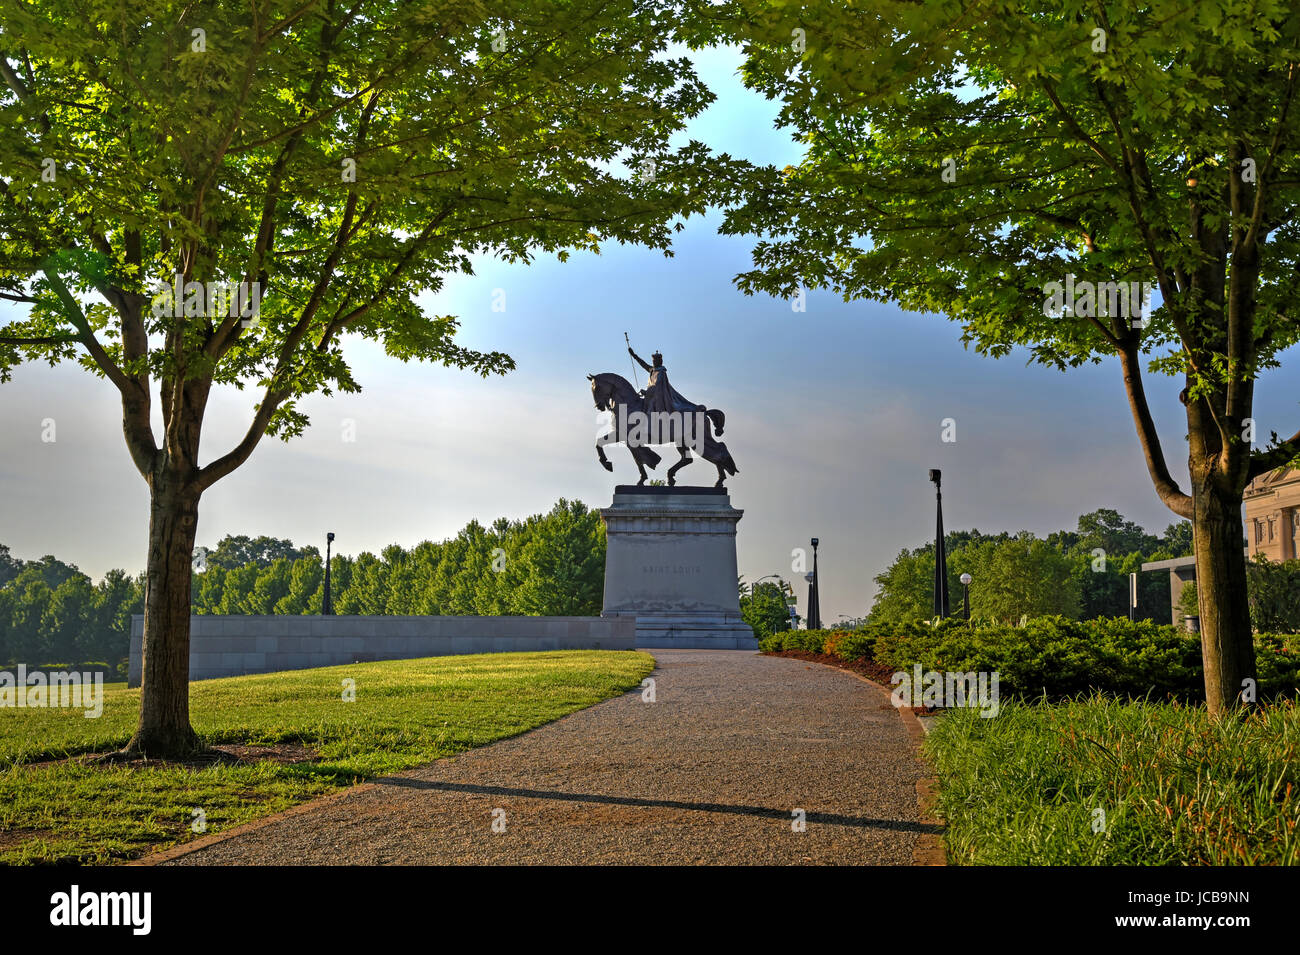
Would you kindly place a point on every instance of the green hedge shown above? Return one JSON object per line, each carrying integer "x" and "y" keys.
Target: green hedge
{"x": 1055, "y": 656}
{"x": 812, "y": 641}
{"x": 846, "y": 644}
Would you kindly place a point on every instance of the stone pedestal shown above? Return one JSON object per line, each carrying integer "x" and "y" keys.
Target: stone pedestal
{"x": 671, "y": 563}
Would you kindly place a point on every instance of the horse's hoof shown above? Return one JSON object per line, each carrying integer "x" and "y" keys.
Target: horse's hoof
{"x": 607, "y": 466}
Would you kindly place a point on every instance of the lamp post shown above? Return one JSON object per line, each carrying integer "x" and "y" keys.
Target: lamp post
{"x": 940, "y": 558}
{"x": 965, "y": 594}
{"x": 327, "y": 605}
{"x": 807, "y": 617}
{"x": 815, "y": 594}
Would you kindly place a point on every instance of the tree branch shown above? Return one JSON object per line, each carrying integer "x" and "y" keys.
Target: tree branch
{"x": 1166, "y": 487}
{"x": 1270, "y": 459}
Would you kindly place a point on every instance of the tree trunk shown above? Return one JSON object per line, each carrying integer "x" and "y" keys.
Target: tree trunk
{"x": 164, "y": 730}
{"x": 1227, "y": 643}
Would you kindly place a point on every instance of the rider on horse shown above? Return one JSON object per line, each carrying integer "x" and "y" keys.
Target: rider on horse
{"x": 659, "y": 395}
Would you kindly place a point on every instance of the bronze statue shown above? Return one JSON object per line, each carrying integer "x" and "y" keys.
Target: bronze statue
{"x": 658, "y": 415}
{"x": 659, "y": 394}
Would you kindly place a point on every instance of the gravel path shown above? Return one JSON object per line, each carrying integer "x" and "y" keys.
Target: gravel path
{"x": 709, "y": 773}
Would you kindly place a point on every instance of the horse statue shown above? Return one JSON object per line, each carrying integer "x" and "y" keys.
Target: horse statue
{"x": 685, "y": 430}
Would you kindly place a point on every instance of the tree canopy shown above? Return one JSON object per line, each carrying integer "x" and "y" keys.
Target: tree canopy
{"x": 217, "y": 193}
{"x": 1078, "y": 181}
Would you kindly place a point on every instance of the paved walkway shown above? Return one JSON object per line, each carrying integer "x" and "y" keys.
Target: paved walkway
{"x": 709, "y": 773}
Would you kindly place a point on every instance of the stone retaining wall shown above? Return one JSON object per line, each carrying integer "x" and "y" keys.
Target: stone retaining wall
{"x": 234, "y": 645}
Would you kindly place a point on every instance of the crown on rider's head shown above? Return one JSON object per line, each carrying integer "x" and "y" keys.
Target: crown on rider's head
{"x": 657, "y": 357}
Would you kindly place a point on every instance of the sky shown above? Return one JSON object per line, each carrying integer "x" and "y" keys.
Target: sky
{"x": 834, "y": 416}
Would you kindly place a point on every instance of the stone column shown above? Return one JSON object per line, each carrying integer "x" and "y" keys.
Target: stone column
{"x": 671, "y": 563}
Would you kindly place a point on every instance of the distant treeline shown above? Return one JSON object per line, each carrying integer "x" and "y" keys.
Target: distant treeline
{"x": 549, "y": 564}
{"x": 1080, "y": 574}
{"x": 52, "y": 613}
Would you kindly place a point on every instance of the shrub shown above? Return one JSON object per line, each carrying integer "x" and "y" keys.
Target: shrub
{"x": 810, "y": 641}
{"x": 852, "y": 644}
{"x": 1053, "y": 656}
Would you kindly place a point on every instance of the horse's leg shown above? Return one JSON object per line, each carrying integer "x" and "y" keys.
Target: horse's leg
{"x": 640, "y": 466}
{"x": 672, "y": 471}
{"x": 722, "y": 475}
{"x": 600, "y": 451}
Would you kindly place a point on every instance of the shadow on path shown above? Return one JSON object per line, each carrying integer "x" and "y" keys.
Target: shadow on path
{"x": 827, "y": 818}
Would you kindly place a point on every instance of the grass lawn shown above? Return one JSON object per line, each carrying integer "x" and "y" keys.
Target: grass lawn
{"x": 407, "y": 712}
{"x": 1022, "y": 788}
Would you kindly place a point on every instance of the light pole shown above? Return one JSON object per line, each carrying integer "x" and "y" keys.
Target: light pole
{"x": 815, "y": 595}
{"x": 965, "y": 594}
{"x": 807, "y": 617}
{"x": 327, "y": 605}
{"x": 940, "y": 558}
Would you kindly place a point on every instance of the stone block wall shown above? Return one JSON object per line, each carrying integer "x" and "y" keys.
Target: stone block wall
{"x": 235, "y": 645}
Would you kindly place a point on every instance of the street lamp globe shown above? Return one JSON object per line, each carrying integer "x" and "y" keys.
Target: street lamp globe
{"x": 965, "y": 579}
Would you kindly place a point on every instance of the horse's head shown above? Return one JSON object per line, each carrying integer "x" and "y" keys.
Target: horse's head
{"x": 599, "y": 392}
{"x": 608, "y": 389}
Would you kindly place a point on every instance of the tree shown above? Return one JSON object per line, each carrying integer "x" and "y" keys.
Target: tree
{"x": 562, "y": 563}
{"x": 906, "y": 587}
{"x": 1106, "y": 548}
{"x": 232, "y": 551}
{"x": 1024, "y": 172}
{"x": 765, "y": 609}
{"x": 1274, "y": 594}
{"x": 9, "y": 566}
{"x": 298, "y": 171}
{"x": 1108, "y": 530}
{"x": 1020, "y": 577}
{"x": 1177, "y": 540}
{"x": 117, "y": 598}
{"x": 71, "y": 607}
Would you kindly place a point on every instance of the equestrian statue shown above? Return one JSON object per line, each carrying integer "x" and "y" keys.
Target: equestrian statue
{"x": 658, "y": 415}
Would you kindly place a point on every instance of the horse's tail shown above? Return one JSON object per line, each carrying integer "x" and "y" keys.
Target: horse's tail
{"x": 718, "y": 418}
{"x": 724, "y": 459}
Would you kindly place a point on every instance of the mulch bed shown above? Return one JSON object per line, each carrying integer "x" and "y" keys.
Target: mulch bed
{"x": 868, "y": 668}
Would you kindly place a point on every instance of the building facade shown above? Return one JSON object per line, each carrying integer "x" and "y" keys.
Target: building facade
{"x": 1273, "y": 515}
